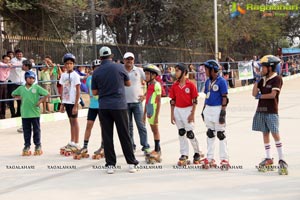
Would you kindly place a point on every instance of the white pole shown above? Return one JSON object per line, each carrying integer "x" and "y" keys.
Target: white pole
{"x": 216, "y": 30}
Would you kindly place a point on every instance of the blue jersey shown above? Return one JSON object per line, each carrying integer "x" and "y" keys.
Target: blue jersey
{"x": 215, "y": 90}
{"x": 93, "y": 99}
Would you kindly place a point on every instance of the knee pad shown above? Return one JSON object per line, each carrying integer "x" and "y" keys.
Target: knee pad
{"x": 181, "y": 131}
{"x": 190, "y": 134}
{"x": 221, "y": 135}
{"x": 210, "y": 133}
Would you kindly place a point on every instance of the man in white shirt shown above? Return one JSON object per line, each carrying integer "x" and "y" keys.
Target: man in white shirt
{"x": 134, "y": 97}
{"x": 16, "y": 76}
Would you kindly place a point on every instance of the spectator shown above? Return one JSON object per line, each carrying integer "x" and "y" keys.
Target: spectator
{"x": 15, "y": 77}
{"x": 200, "y": 77}
{"x": 5, "y": 68}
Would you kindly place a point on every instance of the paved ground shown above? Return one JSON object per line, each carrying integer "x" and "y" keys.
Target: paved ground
{"x": 89, "y": 181}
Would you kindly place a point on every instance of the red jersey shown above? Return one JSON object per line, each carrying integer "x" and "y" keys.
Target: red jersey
{"x": 183, "y": 95}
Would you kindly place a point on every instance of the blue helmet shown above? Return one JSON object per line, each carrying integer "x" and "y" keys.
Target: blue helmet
{"x": 29, "y": 74}
{"x": 212, "y": 64}
{"x": 69, "y": 56}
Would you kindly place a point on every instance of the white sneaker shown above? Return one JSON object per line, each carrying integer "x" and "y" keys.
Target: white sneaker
{"x": 133, "y": 168}
{"x": 110, "y": 169}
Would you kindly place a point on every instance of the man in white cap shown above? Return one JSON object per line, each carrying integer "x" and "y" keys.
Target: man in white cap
{"x": 108, "y": 82}
{"x": 134, "y": 97}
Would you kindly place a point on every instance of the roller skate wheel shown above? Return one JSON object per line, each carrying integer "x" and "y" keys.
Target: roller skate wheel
{"x": 38, "y": 153}
{"x": 96, "y": 157}
{"x": 26, "y": 153}
{"x": 67, "y": 153}
{"x": 180, "y": 163}
{"x": 224, "y": 168}
{"x": 76, "y": 157}
{"x": 197, "y": 162}
{"x": 262, "y": 169}
{"x": 283, "y": 172}
{"x": 206, "y": 166}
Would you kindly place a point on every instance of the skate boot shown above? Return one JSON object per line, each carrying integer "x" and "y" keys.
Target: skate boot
{"x": 266, "y": 165}
{"x": 63, "y": 149}
{"x": 224, "y": 165}
{"x": 98, "y": 154}
{"x": 204, "y": 163}
{"x": 71, "y": 150}
{"x": 283, "y": 168}
{"x": 183, "y": 161}
{"x": 38, "y": 150}
{"x": 212, "y": 163}
{"x": 82, "y": 153}
{"x": 146, "y": 151}
{"x": 153, "y": 157}
{"x": 197, "y": 158}
{"x": 26, "y": 151}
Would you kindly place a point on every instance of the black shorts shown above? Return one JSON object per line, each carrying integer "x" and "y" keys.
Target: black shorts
{"x": 92, "y": 114}
{"x": 69, "y": 108}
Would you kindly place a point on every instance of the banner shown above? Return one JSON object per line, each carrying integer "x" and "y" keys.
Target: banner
{"x": 245, "y": 70}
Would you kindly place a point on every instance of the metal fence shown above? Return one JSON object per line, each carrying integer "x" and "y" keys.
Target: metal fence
{"x": 37, "y": 48}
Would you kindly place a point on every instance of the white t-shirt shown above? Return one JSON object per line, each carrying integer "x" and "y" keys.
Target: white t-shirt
{"x": 16, "y": 73}
{"x": 69, "y": 82}
{"x": 132, "y": 93}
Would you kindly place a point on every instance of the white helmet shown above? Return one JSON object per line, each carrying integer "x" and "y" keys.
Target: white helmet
{"x": 96, "y": 63}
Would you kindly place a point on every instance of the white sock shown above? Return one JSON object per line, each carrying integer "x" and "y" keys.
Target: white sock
{"x": 279, "y": 150}
{"x": 268, "y": 150}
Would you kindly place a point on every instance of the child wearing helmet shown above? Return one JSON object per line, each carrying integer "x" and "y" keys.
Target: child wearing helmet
{"x": 183, "y": 94}
{"x": 93, "y": 112}
{"x": 152, "y": 108}
{"x": 214, "y": 114}
{"x": 267, "y": 89}
{"x": 70, "y": 82}
{"x": 30, "y": 111}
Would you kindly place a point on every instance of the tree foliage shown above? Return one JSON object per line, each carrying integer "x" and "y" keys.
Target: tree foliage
{"x": 161, "y": 23}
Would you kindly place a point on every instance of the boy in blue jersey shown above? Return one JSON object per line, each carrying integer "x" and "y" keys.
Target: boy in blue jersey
{"x": 214, "y": 114}
{"x": 91, "y": 117}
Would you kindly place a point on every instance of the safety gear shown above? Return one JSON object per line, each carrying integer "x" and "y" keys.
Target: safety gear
{"x": 29, "y": 74}
{"x": 96, "y": 63}
{"x": 210, "y": 133}
{"x": 181, "y": 132}
{"x": 257, "y": 78}
{"x": 221, "y": 135}
{"x": 212, "y": 64}
{"x": 69, "y": 56}
{"x": 227, "y": 100}
{"x": 269, "y": 61}
{"x": 258, "y": 96}
{"x": 152, "y": 69}
{"x": 190, "y": 135}
{"x": 222, "y": 117}
{"x": 183, "y": 68}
